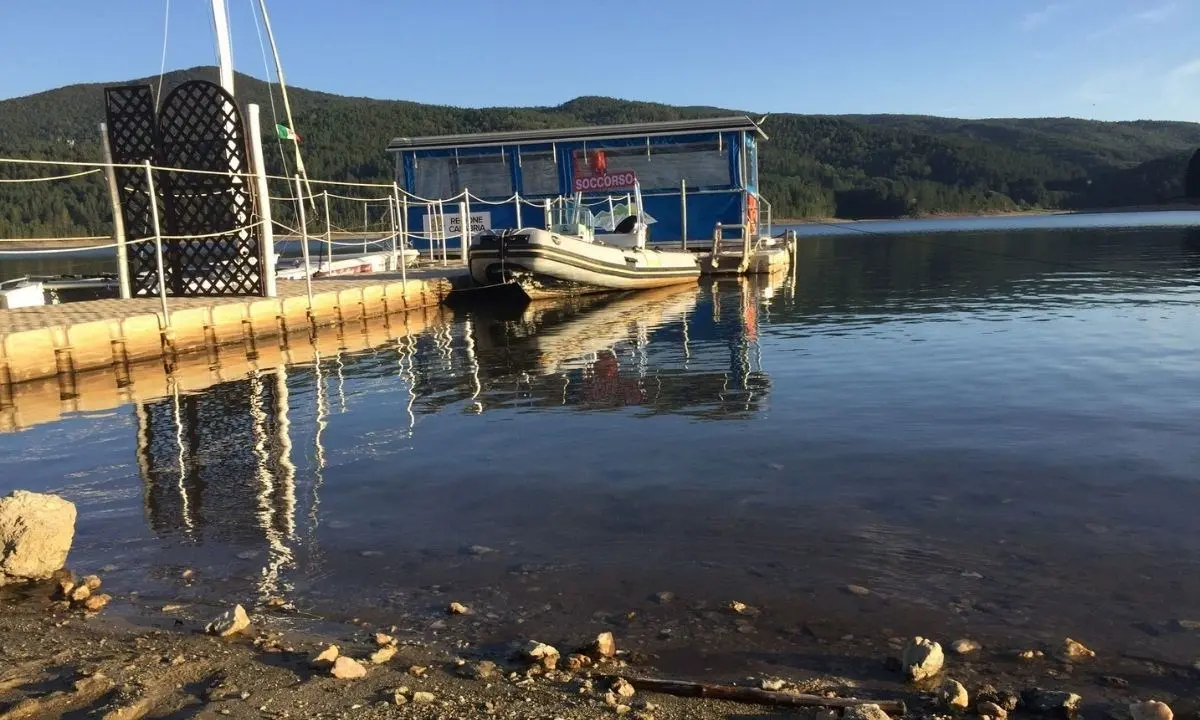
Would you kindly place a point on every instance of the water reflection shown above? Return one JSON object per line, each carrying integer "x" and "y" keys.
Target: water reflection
{"x": 242, "y": 464}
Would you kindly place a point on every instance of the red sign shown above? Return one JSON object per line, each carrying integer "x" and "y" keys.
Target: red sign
{"x": 600, "y": 182}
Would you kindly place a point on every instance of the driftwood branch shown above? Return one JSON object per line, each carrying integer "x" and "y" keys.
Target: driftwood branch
{"x": 756, "y": 696}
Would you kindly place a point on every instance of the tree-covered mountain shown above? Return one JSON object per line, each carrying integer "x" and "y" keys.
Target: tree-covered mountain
{"x": 813, "y": 165}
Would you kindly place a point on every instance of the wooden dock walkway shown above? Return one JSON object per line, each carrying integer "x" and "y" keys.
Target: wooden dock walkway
{"x": 58, "y": 340}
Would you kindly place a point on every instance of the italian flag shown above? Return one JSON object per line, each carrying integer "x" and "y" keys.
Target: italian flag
{"x": 286, "y": 133}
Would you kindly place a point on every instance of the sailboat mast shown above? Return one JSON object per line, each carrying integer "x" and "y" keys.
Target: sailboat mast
{"x": 224, "y": 46}
{"x": 287, "y": 106}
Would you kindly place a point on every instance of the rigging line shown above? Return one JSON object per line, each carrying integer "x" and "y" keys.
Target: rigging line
{"x": 262, "y": 47}
{"x": 162, "y": 65}
{"x": 912, "y": 237}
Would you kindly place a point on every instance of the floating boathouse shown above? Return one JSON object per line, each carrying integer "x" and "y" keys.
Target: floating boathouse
{"x": 693, "y": 174}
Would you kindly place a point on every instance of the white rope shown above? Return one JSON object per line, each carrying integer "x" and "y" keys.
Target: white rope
{"x": 51, "y": 178}
{"x": 73, "y": 163}
{"x": 370, "y": 199}
{"x": 59, "y": 251}
{"x": 162, "y": 66}
{"x": 219, "y": 233}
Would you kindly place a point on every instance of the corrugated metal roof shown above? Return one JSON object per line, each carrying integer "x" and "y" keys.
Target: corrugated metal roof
{"x": 515, "y": 137}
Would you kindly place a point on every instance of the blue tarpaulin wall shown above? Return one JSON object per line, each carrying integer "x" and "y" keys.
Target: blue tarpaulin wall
{"x": 706, "y": 205}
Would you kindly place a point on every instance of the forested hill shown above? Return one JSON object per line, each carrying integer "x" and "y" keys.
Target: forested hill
{"x": 813, "y": 165}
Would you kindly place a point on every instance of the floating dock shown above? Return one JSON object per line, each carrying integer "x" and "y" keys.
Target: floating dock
{"x": 63, "y": 340}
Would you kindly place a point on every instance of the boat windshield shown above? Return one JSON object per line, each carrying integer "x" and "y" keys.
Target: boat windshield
{"x": 569, "y": 216}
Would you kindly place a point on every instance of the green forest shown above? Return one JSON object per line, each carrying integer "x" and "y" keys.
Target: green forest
{"x": 849, "y": 166}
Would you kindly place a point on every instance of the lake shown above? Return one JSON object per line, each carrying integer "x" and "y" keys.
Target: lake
{"x": 993, "y": 430}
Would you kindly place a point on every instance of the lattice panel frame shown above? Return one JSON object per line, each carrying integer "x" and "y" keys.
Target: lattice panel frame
{"x": 132, "y": 138}
{"x": 201, "y": 128}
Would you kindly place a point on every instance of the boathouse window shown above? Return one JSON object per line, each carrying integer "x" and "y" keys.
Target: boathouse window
{"x": 539, "y": 173}
{"x": 702, "y": 164}
{"x": 486, "y": 176}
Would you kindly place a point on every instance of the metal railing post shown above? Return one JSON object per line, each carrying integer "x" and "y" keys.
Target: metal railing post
{"x": 304, "y": 242}
{"x": 114, "y": 197}
{"x": 546, "y": 213}
{"x": 443, "y": 231}
{"x": 158, "y": 247}
{"x": 716, "y": 247}
{"x": 683, "y": 214}
{"x": 267, "y": 230}
{"x": 517, "y": 205}
{"x": 328, "y": 234}
{"x": 402, "y": 222}
{"x": 464, "y": 222}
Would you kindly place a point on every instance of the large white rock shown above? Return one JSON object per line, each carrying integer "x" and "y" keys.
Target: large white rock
{"x": 922, "y": 659}
{"x": 36, "y": 531}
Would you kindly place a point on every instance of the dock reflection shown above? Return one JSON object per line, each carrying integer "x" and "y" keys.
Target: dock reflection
{"x": 240, "y": 466}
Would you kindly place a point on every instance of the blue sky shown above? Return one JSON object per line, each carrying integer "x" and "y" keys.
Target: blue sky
{"x": 1106, "y": 59}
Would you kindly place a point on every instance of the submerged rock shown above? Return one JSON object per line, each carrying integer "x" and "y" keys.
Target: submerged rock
{"x": 952, "y": 694}
{"x": 858, "y": 590}
{"x": 922, "y": 659}
{"x": 965, "y": 646}
{"x": 36, "y": 532}
{"x": 93, "y": 582}
{"x": 870, "y": 711}
{"x": 1075, "y": 650}
{"x": 665, "y": 597}
{"x": 1151, "y": 710}
{"x": 1058, "y": 703}
{"x": 229, "y": 623}
{"x": 97, "y": 602}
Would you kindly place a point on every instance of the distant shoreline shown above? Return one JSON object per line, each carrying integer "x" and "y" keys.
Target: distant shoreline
{"x": 1172, "y": 207}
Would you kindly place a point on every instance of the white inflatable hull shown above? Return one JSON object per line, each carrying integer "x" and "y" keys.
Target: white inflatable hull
{"x": 547, "y": 265}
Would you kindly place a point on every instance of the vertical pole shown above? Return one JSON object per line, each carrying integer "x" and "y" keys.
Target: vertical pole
{"x": 304, "y": 241}
{"x": 267, "y": 229}
{"x": 517, "y": 206}
{"x": 464, "y": 221}
{"x": 612, "y": 219}
{"x": 224, "y": 47}
{"x": 403, "y": 222}
{"x": 683, "y": 214}
{"x": 114, "y": 197}
{"x": 546, "y": 213}
{"x": 392, "y": 215}
{"x": 444, "y": 231}
{"x": 328, "y": 234}
{"x": 366, "y": 224}
{"x": 158, "y": 248}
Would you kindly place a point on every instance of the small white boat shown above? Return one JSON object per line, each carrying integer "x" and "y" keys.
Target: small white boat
{"x": 571, "y": 258}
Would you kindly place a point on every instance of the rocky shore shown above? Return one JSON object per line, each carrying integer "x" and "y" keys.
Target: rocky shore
{"x": 72, "y": 646}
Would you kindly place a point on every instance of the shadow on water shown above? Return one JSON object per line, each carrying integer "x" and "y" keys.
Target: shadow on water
{"x": 985, "y": 430}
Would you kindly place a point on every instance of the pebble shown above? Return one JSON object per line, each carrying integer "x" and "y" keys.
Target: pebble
{"x": 383, "y": 654}
{"x": 457, "y": 608}
{"x": 483, "y": 670}
{"x": 478, "y": 550}
{"x": 965, "y": 646}
{"x": 229, "y": 623}
{"x": 424, "y": 698}
{"x": 773, "y": 684}
{"x": 952, "y": 694}
{"x": 578, "y": 662}
{"x": 326, "y": 657}
{"x": 1076, "y": 650}
{"x": 1059, "y": 703}
{"x": 622, "y": 709}
{"x": 605, "y": 646}
{"x": 858, "y": 590}
{"x": 418, "y": 671}
{"x": 664, "y": 597}
{"x": 1031, "y": 655}
{"x": 92, "y": 581}
{"x": 991, "y": 709}
{"x": 345, "y": 668}
{"x": 870, "y": 711}
{"x": 1151, "y": 710}
{"x": 545, "y": 655}
{"x": 922, "y": 659}
{"x": 96, "y": 603}
{"x": 1113, "y": 681}
{"x": 622, "y": 688}
{"x": 738, "y": 606}
{"x": 383, "y": 639}
{"x": 79, "y": 593}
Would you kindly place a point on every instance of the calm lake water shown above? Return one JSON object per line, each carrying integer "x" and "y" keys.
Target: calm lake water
{"x": 993, "y": 431}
